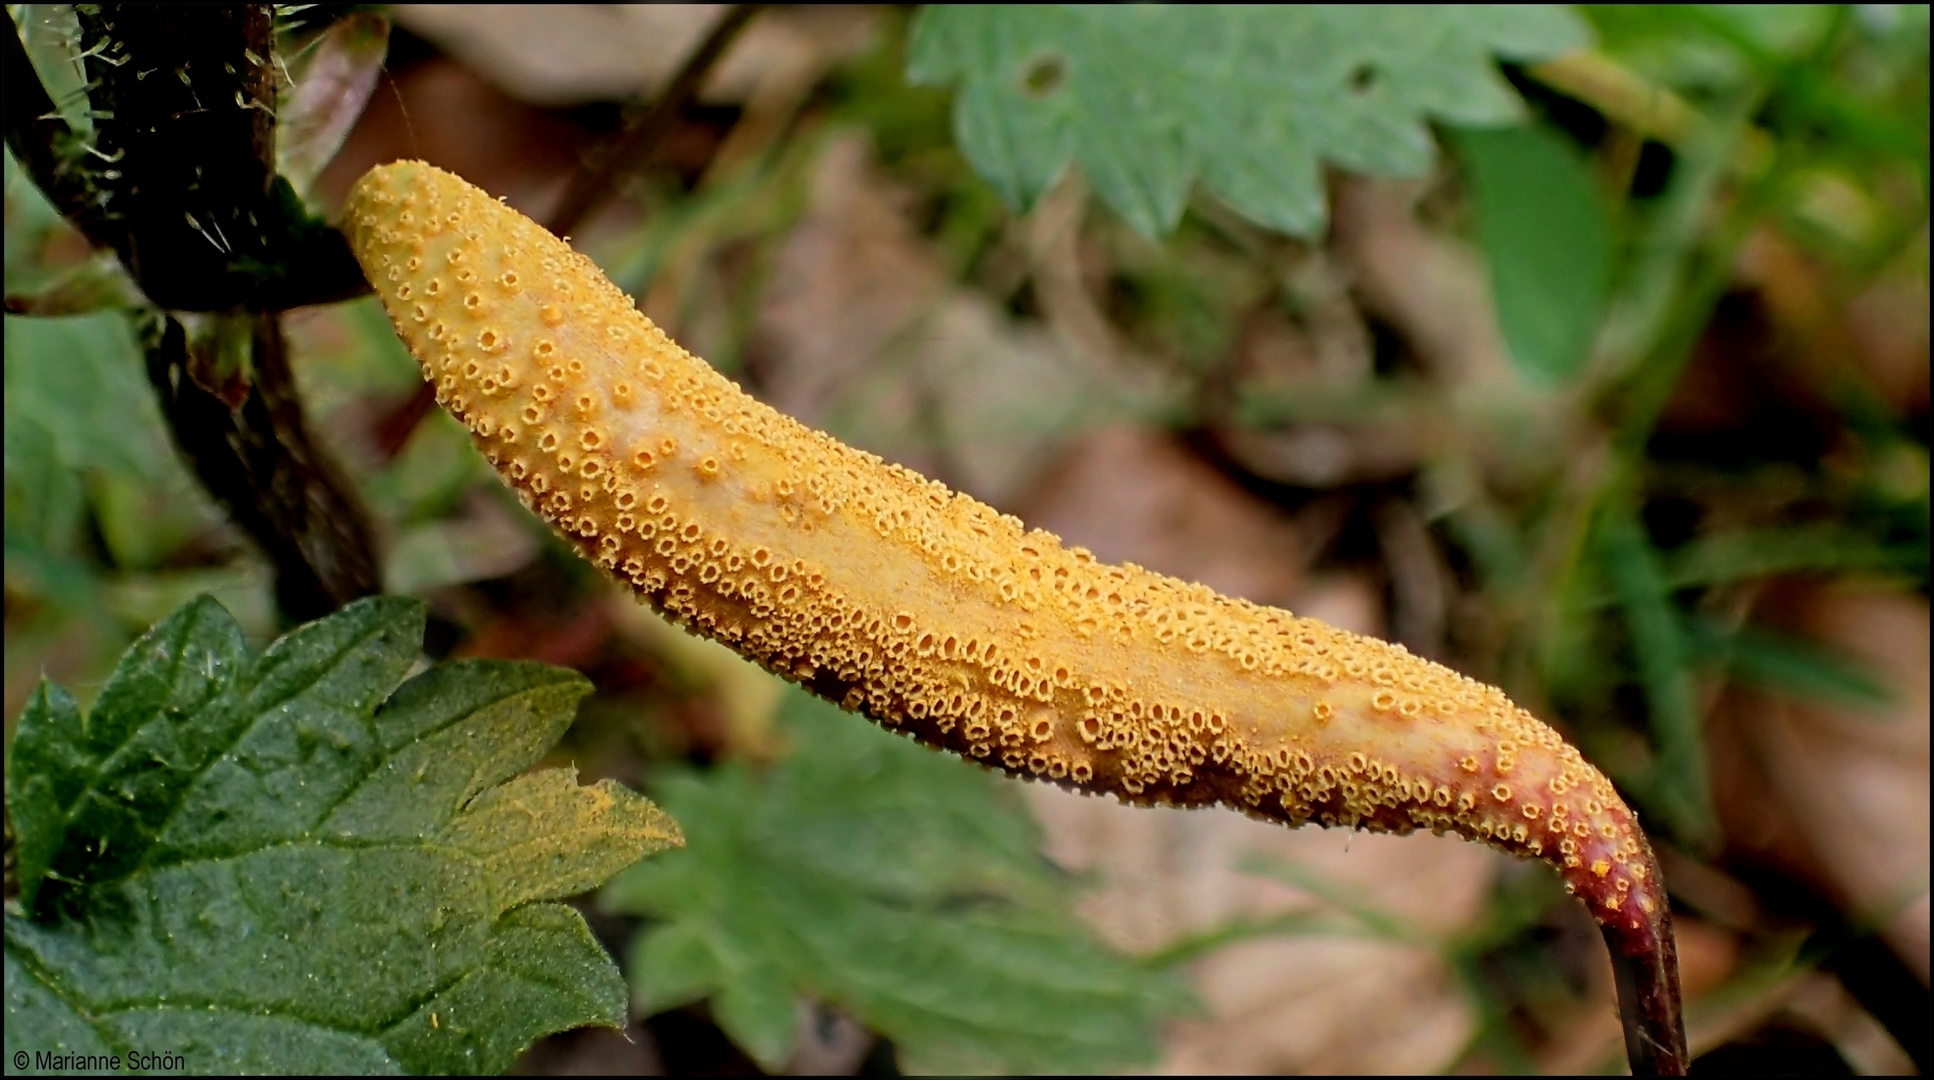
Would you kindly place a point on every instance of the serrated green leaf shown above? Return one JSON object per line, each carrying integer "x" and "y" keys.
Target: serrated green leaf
{"x": 452, "y": 732}
{"x": 48, "y": 770}
{"x": 1252, "y": 101}
{"x": 896, "y": 883}
{"x": 263, "y": 864}
{"x": 1547, "y": 236}
{"x": 116, "y": 778}
{"x": 542, "y": 972}
{"x": 546, "y": 835}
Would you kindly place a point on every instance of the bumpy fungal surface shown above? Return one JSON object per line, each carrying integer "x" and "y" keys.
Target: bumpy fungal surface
{"x": 936, "y": 615}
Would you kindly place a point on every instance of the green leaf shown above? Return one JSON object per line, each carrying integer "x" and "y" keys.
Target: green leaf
{"x": 1704, "y": 47}
{"x": 894, "y": 882}
{"x": 1547, "y": 236}
{"x": 1253, "y": 101}
{"x": 82, "y": 428}
{"x": 1658, "y": 636}
{"x": 44, "y": 500}
{"x": 1787, "y": 665}
{"x": 274, "y": 863}
{"x": 1743, "y": 554}
{"x": 81, "y": 378}
{"x": 673, "y": 964}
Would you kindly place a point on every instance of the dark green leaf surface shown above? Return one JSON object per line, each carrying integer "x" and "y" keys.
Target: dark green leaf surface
{"x": 1252, "y": 101}
{"x": 891, "y": 881}
{"x": 1548, "y": 238}
{"x": 262, "y": 864}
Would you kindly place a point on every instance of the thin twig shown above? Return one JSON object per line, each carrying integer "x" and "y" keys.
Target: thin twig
{"x": 594, "y": 183}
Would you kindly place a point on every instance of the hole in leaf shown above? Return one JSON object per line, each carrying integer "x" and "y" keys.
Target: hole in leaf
{"x": 1044, "y": 76}
{"x": 1363, "y": 79}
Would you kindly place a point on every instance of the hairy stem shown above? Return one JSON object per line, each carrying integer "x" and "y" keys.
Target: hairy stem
{"x": 180, "y": 185}
{"x": 261, "y": 464}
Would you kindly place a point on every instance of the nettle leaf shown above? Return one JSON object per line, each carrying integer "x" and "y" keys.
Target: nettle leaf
{"x": 1252, "y": 101}
{"x": 274, "y": 863}
{"x": 896, "y": 883}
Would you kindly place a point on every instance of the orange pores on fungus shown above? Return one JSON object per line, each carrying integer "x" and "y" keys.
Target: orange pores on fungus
{"x": 943, "y": 619}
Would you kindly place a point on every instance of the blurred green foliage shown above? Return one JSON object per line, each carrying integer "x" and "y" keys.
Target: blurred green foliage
{"x": 1546, "y": 234}
{"x": 270, "y": 863}
{"x": 899, "y": 884}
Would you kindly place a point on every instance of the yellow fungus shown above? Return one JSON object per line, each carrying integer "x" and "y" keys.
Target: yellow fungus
{"x": 875, "y": 587}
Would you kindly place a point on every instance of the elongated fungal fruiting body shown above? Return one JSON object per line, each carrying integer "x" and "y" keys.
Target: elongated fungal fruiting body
{"x": 938, "y": 616}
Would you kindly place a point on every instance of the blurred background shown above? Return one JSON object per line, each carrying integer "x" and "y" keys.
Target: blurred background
{"x": 1623, "y": 407}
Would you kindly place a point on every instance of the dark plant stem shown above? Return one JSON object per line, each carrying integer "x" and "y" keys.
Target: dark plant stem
{"x": 184, "y": 161}
{"x": 1649, "y": 1004}
{"x": 395, "y": 426}
{"x": 259, "y": 461}
{"x": 181, "y": 185}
